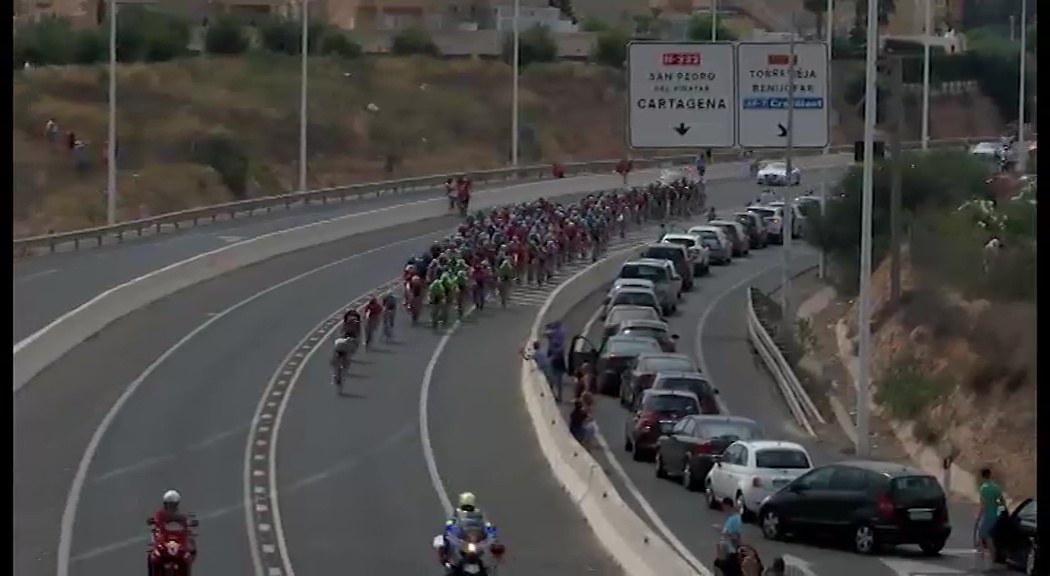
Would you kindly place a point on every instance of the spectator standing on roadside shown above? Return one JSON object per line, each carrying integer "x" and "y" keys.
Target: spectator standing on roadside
{"x": 71, "y": 140}
{"x": 992, "y": 503}
{"x": 51, "y": 131}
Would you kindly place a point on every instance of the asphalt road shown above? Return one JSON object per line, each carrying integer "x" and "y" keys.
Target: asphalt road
{"x": 187, "y": 421}
{"x": 712, "y": 326}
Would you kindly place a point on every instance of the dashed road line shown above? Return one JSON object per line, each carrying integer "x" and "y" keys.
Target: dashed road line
{"x": 261, "y": 504}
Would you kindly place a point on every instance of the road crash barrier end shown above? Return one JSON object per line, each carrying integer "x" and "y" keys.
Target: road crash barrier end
{"x": 628, "y": 539}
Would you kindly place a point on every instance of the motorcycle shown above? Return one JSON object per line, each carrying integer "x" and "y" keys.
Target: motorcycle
{"x": 470, "y": 555}
{"x": 170, "y": 554}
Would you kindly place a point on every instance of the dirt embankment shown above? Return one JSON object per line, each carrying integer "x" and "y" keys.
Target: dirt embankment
{"x": 207, "y": 130}
{"x": 962, "y": 372}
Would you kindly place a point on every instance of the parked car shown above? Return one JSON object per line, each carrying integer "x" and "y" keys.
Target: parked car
{"x": 622, "y": 313}
{"x": 751, "y": 470}
{"x": 645, "y": 368}
{"x": 776, "y": 174}
{"x": 772, "y": 218}
{"x": 699, "y": 255}
{"x": 719, "y": 246}
{"x": 1017, "y": 538}
{"x": 756, "y": 230}
{"x": 632, "y": 296}
{"x": 736, "y": 234}
{"x": 656, "y": 329}
{"x": 688, "y": 450}
{"x": 622, "y": 283}
{"x": 690, "y": 381}
{"x": 611, "y": 359}
{"x": 871, "y": 503}
{"x": 798, "y": 219}
{"x": 663, "y": 275}
{"x": 655, "y": 412}
{"x": 677, "y": 254}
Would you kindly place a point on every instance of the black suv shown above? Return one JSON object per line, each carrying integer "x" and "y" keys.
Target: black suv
{"x": 875, "y": 503}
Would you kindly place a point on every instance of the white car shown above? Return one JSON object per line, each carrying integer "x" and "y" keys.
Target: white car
{"x": 798, "y": 219}
{"x": 990, "y": 149}
{"x": 776, "y": 174}
{"x": 699, "y": 255}
{"x": 773, "y": 218}
{"x": 751, "y": 470}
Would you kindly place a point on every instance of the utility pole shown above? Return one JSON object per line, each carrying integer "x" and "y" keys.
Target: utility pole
{"x": 896, "y": 70}
{"x": 787, "y": 226}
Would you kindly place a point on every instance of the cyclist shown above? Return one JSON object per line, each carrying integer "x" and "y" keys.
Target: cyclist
{"x": 414, "y": 299}
{"x": 352, "y": 324}
{"x": 341, "y": 353}
{"x": 437, "y": 296}
{"x": 389, "y": 303}
{"x": 373, "y": 313}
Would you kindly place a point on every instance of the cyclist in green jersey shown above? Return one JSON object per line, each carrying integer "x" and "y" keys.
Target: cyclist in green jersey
{"x": 436, "y": 294}
{"x": 506, "y": 270}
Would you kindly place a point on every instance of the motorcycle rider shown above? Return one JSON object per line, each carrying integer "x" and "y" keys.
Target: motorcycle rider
{"x": 169, "y": 513}
{"x": 467, "y": 518}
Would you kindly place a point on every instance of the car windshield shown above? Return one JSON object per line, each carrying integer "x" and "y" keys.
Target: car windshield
{"x": 631, "y": 347}
{"x": 694, "y": 385}
{"x": 764, "y": 212}
{"x": 687, "y": 242}
{"x": 645, "y": 332}
{"x": 618, "y": 316}
{"x": 671, "y": 403}
{"x": 916, "y": 487}
{"x": 776, "y": 167}
{"x": 634, "y": 298}
{"x": 644, "y": 271}
{"x": 671, "y": 254}
{"x": 730, "y": 430}
{"x": 781, "y": 458}
{"x": 655, "y": 365}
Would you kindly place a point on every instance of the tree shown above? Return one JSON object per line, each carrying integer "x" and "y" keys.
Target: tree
{"x": 336, "y": 42}
{"x": 819, "y": 10}
{"x": 594, "y": 25}
{"x": 147, "y": 35}
{"x": 610, "y": 48}
{"x": 537, "y": 45}
{"x": 414, "y": 41}
{"x": 700, "y": 29}
{"x": 886, "y": 8}
{"x": 226, "y": 36}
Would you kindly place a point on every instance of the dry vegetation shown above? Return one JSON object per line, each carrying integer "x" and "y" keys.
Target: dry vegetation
{"x": 434, "y": 116}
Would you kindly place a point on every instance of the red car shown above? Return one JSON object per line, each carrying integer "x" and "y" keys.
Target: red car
{"x": 656, "y": 412}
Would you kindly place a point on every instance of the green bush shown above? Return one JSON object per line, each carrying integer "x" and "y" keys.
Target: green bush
{"x": 537, "y": 45}
{"x": 700, "y": 29}
{"x": 226, "y": 36}
{"x": 53, "y": 41}
{"x": 224, "y": 154}
{"x": 610, "y": 48}
{"x": 414, "y": 41}
{"x": 284, "y": 35}
{"x": 336, "y": 42}
{"x": 146, "y": 35}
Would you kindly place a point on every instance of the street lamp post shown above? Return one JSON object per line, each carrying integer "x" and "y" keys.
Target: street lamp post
{"x": 304, "y": 48}
{"x": 864, "y": 309}
{"x": 111, "y": 145}
{"x": 516, "y": 71}
{"x": 1022, "y": 146}
{"x": 927, "y": 30}
{"x": 714, "y": 20}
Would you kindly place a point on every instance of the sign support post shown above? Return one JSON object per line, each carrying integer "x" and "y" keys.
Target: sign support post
{"x": 787, "y": 228}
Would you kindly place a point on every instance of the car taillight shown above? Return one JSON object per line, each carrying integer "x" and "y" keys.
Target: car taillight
{"x": 775, "y": 220}
{"x": 646, "y": 421}
{"x": 884, "y": 506}
{"x": 756, "y": 482}
{"x": 702, "y": 448}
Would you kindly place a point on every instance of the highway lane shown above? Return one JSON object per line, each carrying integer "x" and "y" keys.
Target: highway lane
{"x": 214, "y": 378}
{"x": 745, "y": 389}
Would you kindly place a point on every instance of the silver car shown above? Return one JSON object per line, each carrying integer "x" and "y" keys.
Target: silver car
{"x": 636, "y": 297}
{"x": 662, "y": 274}
{"x": 622, "y": 283}
{"x": 618, "y": 315}
{"x": 720, "y": 247}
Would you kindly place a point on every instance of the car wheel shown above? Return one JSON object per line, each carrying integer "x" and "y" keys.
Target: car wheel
{"x": 745, "y": 514}
{"x": 932, "y": 547}
{"x": 628, "y": 446}
{"x": 659, "y": 460}
{"x": 772, "y": 527}
{"x": 1030, "y": 560}
{"x": 638, "y": 455}
{"x": 709, "y": 496}
{"x": 865, "y": 540}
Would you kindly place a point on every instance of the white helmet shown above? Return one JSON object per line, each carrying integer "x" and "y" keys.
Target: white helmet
{"x": 172, "y": 497}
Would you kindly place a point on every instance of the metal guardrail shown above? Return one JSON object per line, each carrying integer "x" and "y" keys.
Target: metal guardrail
{"x": 230, "y": 210}
{"x": 799, "y": 403}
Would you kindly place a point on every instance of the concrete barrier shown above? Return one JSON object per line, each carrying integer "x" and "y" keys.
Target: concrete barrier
{"x": 632, "y": 544}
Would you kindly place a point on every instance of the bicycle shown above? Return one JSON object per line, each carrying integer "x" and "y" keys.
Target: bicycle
{"x": 340, "y": 366}
{"x": 504, "y": 291}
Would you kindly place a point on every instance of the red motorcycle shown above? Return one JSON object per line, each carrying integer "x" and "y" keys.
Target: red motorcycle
{"x": 171, "y": 553}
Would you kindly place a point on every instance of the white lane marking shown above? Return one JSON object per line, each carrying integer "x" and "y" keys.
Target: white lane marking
{"x": 136, "y": 467}
{"x": 797, "y": 566}
{"x": 262, "y": 508}
{"x": 35, "y": 275}
{"x": 424, "y": 422}
{"x": 69, "y": 513}
{"x": 305, "y": 482}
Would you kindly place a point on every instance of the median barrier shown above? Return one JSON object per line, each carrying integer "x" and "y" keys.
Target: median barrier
{"x": 628, "y": 539}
